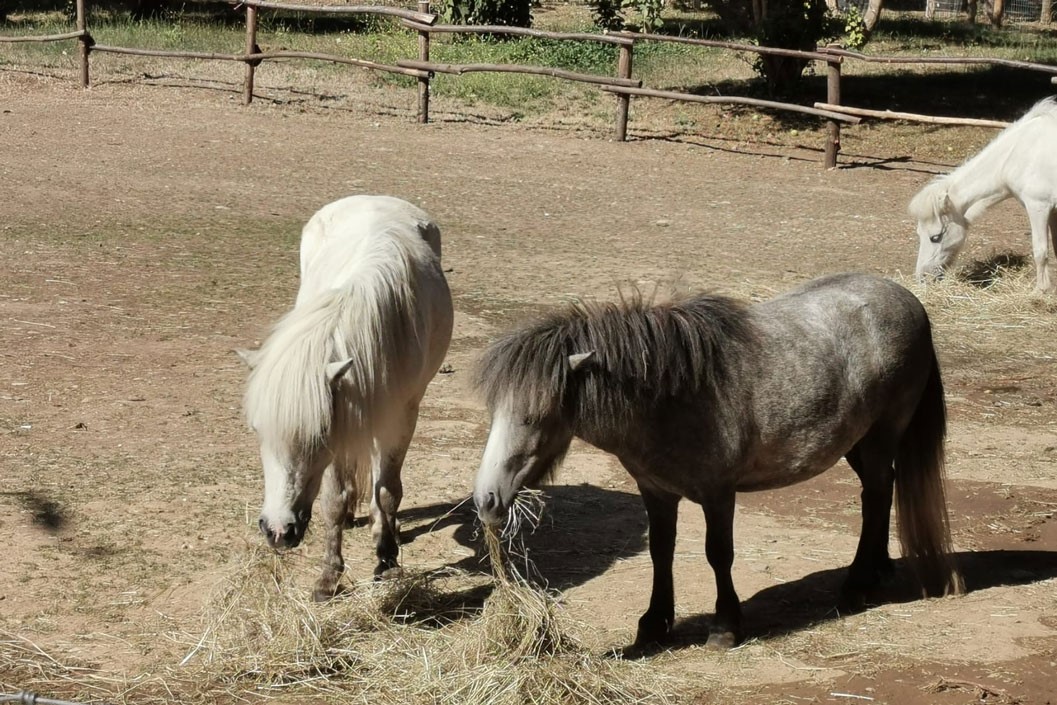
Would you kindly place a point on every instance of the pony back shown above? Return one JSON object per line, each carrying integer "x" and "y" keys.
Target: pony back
{"x": 370, "y": 273}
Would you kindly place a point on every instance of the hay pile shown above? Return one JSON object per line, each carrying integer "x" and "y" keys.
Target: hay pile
{"x": 989, "y": 308}
{"x": 419, "y": 638}
{"x": 441, "y": 637}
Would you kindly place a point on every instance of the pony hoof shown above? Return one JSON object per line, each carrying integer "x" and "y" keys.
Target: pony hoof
{"x": 324, "y": 593}
{"x": 636, "y": 651}
{"x": 851, "y": 602}
{"x": 651, "y": 632}
{"x": 388, "y": 573}
{"x": 721, "y": 641}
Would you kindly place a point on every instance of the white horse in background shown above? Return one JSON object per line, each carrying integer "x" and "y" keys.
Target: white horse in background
{"x": 334, "y": 390}
{"x": 1021, "y": 162}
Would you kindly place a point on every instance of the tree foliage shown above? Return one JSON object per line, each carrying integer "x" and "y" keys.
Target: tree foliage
{"x": 786, "y": 24}
{"x": 508, "y": 13}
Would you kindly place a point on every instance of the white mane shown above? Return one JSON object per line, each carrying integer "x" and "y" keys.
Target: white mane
{"x": 289, "y": 397}
{"x": 926, "y": 204}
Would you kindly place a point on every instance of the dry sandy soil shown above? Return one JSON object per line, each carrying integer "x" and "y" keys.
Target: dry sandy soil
{"x": 148, "y": 230}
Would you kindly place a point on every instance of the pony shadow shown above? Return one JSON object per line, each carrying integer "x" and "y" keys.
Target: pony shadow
{"x": 811, "y": 600}
{"x": 583, "y": 531}
{"x": 985, "y": 273}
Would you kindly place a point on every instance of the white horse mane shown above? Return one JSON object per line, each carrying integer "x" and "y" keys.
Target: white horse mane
{"x": 289, "y": 396}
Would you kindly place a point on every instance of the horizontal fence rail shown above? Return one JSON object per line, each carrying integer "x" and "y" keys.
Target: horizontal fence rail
{"x": 421, "y": 17}
{"x": 831, "y": 114}
{"x": 912, "y": 117}
{"x": 616, "y": 39}
{"x": 733, "y": 46}
{"x": 622, "y": 85}
{"x": 46, "y": 37}
{"x": 459, "y": 69}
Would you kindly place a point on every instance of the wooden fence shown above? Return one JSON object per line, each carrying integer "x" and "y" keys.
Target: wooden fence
{"x": 622, "y": 85}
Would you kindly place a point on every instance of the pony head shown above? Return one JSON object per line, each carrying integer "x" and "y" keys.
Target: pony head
{"x": 941, "y": 229}
{"x": 529, "y": 435}
{"x": 292, "y": 419}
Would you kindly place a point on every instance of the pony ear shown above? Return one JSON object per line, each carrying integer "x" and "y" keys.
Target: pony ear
{"x": 248, "y": 356}
{"x": 335, "y": 370}
{"x": 579, "y": 360}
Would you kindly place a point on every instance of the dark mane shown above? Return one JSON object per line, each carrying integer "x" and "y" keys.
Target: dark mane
{"x": 643, "y": 352}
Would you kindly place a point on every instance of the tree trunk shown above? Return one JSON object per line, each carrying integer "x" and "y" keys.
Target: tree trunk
{"x": 930, "y": 9}
{"x": 970, "y": 9}
{"x": 781, "y": 72}
{"x": 1046, "y": 16}
{"x": 873, "y": 14}
{"x": 997, "y": 8}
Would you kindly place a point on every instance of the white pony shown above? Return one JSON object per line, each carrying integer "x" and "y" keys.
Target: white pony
{"x": 1021, "y": 162}
{"x": 334, "y": 391}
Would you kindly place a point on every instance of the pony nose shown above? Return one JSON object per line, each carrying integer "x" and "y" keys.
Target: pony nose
{"x": 488, "y": 508}
{"x": 289, "y": 537}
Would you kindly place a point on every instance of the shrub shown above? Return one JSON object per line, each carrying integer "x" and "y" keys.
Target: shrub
{"x": 509, "y": 13}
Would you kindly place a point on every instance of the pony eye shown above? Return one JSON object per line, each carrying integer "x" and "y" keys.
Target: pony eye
{"x": 939, "y": 236}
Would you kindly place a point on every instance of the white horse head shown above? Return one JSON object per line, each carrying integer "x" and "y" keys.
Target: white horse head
{"x": 522, "y": 450}
{"x": 294, "y": 431}
{"x": 941, "y": 229}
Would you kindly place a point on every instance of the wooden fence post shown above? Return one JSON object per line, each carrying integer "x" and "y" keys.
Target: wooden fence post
{"x": 251, "y": 48}
{"x": 623, "y": 99}
{"x": 423, "y": 55}
{"x": 833, "y": 98}
{"x": 83, "y": 44}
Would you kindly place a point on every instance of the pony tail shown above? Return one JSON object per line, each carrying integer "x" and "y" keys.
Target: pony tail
{"x": 921, "y": 503}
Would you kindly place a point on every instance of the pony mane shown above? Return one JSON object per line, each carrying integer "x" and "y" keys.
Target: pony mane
{"x": 1045, "y": 108}
{"x": 926, "y": 203}
{"x": 643, "y": 353}
{"x": 289, "y": 397}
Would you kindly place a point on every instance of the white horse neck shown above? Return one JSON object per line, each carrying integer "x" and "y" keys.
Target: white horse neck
{"x": 979, "y": 184}
{"x": 986, "y": 179}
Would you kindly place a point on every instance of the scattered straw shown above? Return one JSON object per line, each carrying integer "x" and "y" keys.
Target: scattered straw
{"x": 441, "y": 637}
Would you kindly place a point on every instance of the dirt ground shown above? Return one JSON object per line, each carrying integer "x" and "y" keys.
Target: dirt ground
{"x": 148, "y": 230}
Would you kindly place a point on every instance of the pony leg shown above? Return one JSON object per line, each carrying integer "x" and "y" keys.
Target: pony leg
{"x": 725, "y": 632}
{"x": 388, "y": 493}
{"x": 872, "y": 563}
{"x": 1041, "y": 217}
{"x": 662, "y": 509}
{"x": 1053, "y": 240}
{"x": 333, "y": 503}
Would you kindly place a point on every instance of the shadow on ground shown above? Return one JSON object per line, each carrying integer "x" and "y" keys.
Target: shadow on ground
{"x": 809, "y": 601}
{"x": 583, "y": 530}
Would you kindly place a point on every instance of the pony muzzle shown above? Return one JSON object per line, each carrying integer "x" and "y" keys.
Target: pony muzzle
{"x": 491, "y": 510}
{"x": 285, "y": 535}
{"x": 930, "y": 272}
